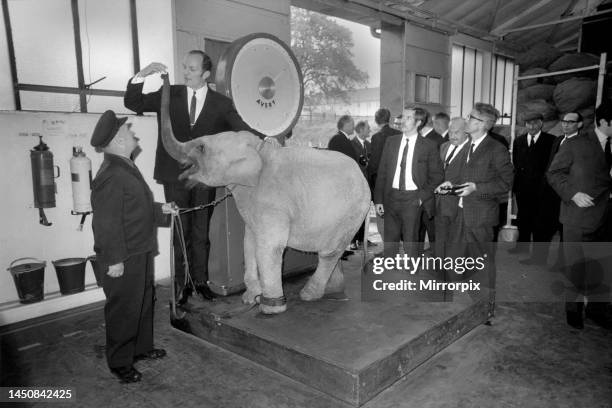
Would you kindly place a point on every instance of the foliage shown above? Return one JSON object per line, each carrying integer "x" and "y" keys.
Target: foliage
{"x": 323, "y": 50}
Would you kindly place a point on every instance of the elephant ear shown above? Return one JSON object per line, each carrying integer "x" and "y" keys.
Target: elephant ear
{"x": 246, "y": 168}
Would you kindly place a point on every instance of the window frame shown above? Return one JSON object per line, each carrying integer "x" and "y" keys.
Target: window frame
{"x": 82, "y": 89}
{"x": 427, "y": 84}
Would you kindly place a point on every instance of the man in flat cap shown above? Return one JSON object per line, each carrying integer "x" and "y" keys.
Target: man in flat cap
{"x": 125, "y": 220}
{"x": 530, "y": 154}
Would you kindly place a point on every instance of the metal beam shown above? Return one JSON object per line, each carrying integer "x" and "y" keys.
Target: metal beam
{"x": 561, "y": 21}
{"x": 567, "y": 39}
{"x": 11, "y": 52}
{"x": 520, "y": 16}
{"x": 79, "y": 53}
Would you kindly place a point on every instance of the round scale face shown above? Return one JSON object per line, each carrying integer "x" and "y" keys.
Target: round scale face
{"x": 265, "y": 86}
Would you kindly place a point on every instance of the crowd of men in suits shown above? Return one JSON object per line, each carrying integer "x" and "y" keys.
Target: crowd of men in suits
{"x": 450, "y": 179}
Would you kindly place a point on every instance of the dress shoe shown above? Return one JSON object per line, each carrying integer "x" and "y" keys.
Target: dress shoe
{"x": 205, "y": 291}
{"x": 353, "y": 246}
{"x": 574, "y": 315}
{"x": 153, "y": 354}
{"x": 127, "y": 374}
{"x": 346, "y": 254}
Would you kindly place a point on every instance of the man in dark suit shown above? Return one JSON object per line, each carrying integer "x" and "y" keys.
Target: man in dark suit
{"x": 381, "y": 117}
{"x": 427, "y": 225}
{"x": 409, "y": 171}
{"x": 580, "y": 174}
{"x": 571, "y": 124}
{"x": 530, "y": 155}
{"x": 195, "y": 110}
{"x": 441, "y": 125}
{"x": 362, "y": 148}
{"x": 453, "y": 155}
{"x": 341, "y": 141}
{"x": 487, "y": 174}
{"x": 124, "y": 223}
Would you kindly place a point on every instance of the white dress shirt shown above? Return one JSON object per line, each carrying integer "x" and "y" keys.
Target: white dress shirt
{"x": 410, "y": 185}
{"x": 459, "y": 147}
{"x": 200, "y": 95}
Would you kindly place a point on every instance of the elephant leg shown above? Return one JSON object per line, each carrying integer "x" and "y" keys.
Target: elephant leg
{"x": 327, "y": 278}
{"x": 270, "y": 246}
{"x": 335, "y": 284}
{"x": 251, "y": 280}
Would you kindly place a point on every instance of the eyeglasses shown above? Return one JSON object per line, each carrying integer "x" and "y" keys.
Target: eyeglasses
{"x": 567, "y": 122}
{"x": 470, "y": 116}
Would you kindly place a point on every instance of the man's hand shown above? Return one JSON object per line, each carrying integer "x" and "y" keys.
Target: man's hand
{"x": 440, "y": 188}
{"x": 380, "y": 209}
{"x": 466, "y": 189}
{"x": 170, "y": 208}
{"x": 116, "y": 270}
{"x": 153, "y": 68}
{"x": 583, "y": 200}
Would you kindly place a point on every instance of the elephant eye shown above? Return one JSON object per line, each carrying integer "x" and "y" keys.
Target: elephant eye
{"x": 201, "y": 148}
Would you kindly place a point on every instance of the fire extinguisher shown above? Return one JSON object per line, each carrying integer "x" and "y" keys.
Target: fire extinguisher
{"x": 80, "y": 171}
{"x": 43, "y": 179}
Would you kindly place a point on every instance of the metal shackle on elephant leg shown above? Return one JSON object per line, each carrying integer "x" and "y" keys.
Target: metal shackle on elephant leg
{"x": 277, "y": 301}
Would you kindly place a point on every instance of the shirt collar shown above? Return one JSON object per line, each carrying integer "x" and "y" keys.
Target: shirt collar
{"x": 411, "y": 136}
{"x": 571, "y": 135}
{"x": 426, "y": 133}
{"x": 479, "y": 141}
{"x": 535, "y": 137}
{"x": 466, "y": 141}
{"x": 200, "y": 93}
{"x": 601, "y": 136}
{"x": 345, "y": 135}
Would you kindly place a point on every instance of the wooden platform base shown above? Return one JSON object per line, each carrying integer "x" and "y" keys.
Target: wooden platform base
{"x": 349, "y": 349}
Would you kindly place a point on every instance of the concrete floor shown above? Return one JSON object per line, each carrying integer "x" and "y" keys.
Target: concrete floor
{"x": 528, "y": 357}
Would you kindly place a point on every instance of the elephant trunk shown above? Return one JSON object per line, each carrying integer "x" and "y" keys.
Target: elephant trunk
{"x": 177, "y": 150}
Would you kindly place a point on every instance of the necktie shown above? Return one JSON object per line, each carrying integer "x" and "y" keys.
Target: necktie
{"x": 450, "y": 157}
{"x": 402, "y": 180}
{"x": 470, "y": 152}
{"x": 192, "y": 110}
{"x": 608, "y": 152}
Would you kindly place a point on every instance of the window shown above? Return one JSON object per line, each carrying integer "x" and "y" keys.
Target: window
{"x": 467, "y": 69}
{"x": 427, "y": 89}
{"x": 502, "y": 72}
{"x": 77, "y": 58}
{"x": 469, "y": 72}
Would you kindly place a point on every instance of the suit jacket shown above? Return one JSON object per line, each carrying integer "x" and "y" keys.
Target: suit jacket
{"x": 446, "y": 204}
{"x": 362, "y": 151}
{"x": 435, "y": 137}
{"x": 427, "y": 171}
{"x": 492, "y": 172}
{"x": 340, "y": 143}
{"x": 125, "y": 218}
{"x": 218, "y": 115}
{"x": 580, "y": 166}
{"x": 531, "y": 163}
{"x": 500, "y": 139}
{"x": 378, "y": 142}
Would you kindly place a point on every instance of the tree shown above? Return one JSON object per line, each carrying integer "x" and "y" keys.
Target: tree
{"x": 323, "y": 50}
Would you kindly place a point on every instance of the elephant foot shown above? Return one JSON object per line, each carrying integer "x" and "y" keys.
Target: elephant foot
{"x": 272, "y": 305}
{"x": 309, "y": 293}
{"x": 251, "y": 296}
{"x": 265, "y": 309}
